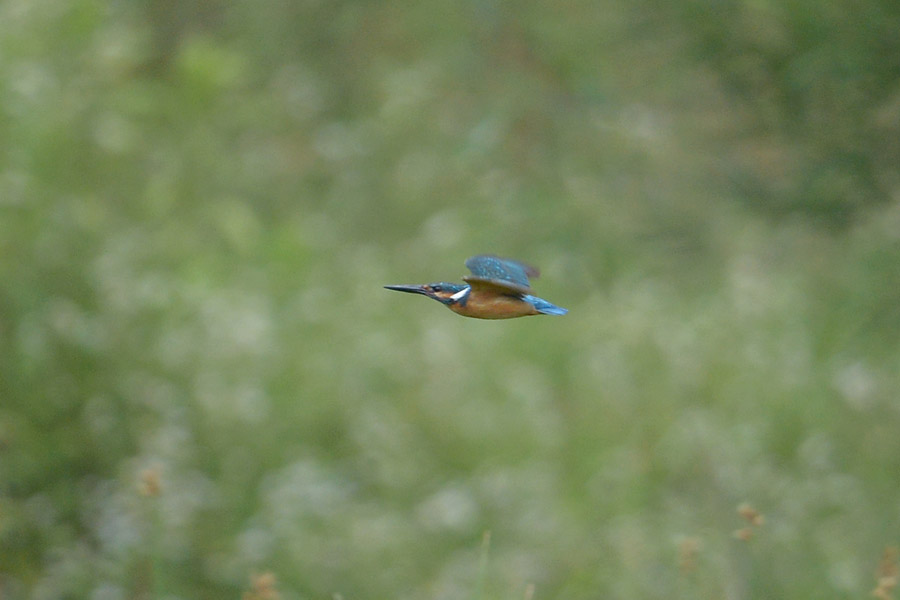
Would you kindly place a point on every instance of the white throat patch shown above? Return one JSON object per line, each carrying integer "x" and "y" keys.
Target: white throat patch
{"x": 461, "y": 295}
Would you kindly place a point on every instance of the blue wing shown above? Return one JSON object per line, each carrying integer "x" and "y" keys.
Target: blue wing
{"x": 501, "y": 272}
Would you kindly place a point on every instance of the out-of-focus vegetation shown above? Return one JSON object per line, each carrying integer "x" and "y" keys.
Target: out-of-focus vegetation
{"x": 204, "y": 391}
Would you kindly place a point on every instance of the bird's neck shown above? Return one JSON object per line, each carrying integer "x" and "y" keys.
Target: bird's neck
{"x": 460, "y": 297}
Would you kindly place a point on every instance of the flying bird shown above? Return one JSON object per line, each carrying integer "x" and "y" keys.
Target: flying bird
{"x": 498, "y": 288}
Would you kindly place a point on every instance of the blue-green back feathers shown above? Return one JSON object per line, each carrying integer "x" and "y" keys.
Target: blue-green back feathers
{"x": 504, "y": 273}
{"x": 544, "y": 307}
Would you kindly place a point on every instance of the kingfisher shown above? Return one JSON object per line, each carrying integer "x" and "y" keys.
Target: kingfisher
{"x": 498, "y": 288}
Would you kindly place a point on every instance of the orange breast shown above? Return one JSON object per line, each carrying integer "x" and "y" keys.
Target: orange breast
{"x": 484, "y": 306}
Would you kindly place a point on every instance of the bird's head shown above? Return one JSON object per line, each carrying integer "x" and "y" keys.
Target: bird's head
{"x": 444, "y": 292}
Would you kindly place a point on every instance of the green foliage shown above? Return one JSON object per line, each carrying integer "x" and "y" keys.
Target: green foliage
{"x": 204, "y": 391}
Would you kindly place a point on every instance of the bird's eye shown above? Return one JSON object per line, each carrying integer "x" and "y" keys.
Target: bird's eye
{"x": 436, "y": 288}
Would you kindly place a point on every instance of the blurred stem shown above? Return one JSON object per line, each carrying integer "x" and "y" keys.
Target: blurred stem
{"x": 483, "y": 565}
{"x": 150, "y": 582}
{"x": 156, "y": 566}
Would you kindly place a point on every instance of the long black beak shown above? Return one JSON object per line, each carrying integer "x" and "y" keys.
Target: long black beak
{"x": 412, "y": 289}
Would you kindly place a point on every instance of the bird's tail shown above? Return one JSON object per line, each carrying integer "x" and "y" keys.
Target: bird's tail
{"x": 544, "y": 307}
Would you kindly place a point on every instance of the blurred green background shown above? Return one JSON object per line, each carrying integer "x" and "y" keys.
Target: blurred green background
{"x": 206, "y": 393}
